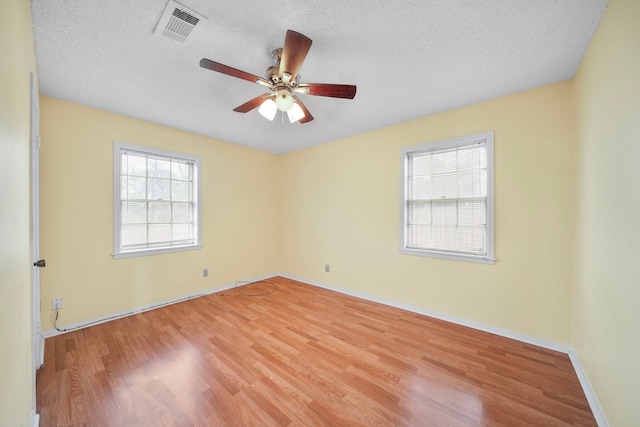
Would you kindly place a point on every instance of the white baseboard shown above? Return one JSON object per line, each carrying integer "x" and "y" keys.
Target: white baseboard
{"x": 588, "y": 390}
{"x": 35, "y": 419}
{"x": 124, "y": 313}
{"x": 529, "y": 339}
{"x": 41, "y": 350}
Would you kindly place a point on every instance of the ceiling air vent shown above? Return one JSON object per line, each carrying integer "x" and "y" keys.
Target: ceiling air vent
{"x": 177, "y": 21}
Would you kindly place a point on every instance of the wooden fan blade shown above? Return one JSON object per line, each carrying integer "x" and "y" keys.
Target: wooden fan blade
{"x": 327, "y": 89}
{"x": 254, "y": 103}
{"x": 296, "y": 47}
{"x": 307, "y": 115}
{"x": 233, "y": 72}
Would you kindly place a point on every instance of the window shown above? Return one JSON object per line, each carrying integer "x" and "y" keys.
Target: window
{"x": 447, "y": 204}
{"x": 156, "y": 201}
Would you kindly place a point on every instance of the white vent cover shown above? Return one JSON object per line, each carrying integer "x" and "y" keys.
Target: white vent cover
{"x": 177, "y": 21}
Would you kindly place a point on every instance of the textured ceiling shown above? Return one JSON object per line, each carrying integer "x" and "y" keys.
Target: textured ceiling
{"x": 408, "y": 59}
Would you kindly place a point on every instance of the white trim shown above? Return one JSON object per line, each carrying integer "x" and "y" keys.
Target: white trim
{"x": 488, "y": 137}
{"x": 37, "y": 341}
{"x": 163, "y": 250}
{"x": 125, "y": 313}
{"x": 447, "y": 255}
{"x": 588, "y": 390}
{"x": 35, "y": 223}
{"x": 41, "y": 349}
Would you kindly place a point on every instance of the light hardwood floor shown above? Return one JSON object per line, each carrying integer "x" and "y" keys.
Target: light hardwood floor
{"x": 300, "y": 356}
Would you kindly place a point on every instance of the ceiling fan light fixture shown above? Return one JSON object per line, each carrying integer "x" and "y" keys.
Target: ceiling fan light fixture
{"x": 284, "y": 100}
{"x": 268, "y": 109}
{"x": 283, "y": 81}
{"x": 295, "y": 113}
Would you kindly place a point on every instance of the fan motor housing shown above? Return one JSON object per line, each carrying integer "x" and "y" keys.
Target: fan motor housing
{"x": 273, "y": 73}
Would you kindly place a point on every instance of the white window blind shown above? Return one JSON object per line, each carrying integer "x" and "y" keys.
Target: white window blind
{"x": 448, "y": 205}
{"x": 157, "y": 201}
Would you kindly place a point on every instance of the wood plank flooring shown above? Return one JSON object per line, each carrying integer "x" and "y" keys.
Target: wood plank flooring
{"x": 300, "y": 356}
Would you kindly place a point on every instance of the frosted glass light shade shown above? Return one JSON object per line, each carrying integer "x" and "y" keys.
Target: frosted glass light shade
{"x": 284, "y": 100}
{"x": 268, "y": 109}
{"x": 295, "y": 113}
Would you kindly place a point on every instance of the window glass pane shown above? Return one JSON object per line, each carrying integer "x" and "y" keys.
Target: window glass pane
{"x": 159, "y": 168}
{"x": 159, "y": 189}
{"x": 480, "y": 155}
{"x": 133, "y": 235}
{"x": 136, "y": 165}
{"x": 472, "y": 157}
{"x": 444, "y": 161}
{"x": 181, "y": 170}
{"x": 159, "y": 233}
{"x": 444, "y": 238}
{"x": 181, "y": 191}
{"x": 419, "y": 236}
{"x": 472, "y": 212}
{"x": 472, "y": 239}
{"x": 420, "y": 213}
{"x": 159, "y": 212}
{"x": 134, "y": 212}
{"x": 473, "y": 183}
{"x": 182, "y": 231}
{"x": 421, "y": 187}
{"x": 445, "y": 186}
{"x": 133, "y": 188}
{"x": 181, "y": 213}
{"x": 421, "y": 164}
{"x": 444, "y": 212}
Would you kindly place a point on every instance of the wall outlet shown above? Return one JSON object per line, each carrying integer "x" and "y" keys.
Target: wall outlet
{"x": 205, "y": 272}
{"x": 327, "y": 268}
{"x": 56, "y": 304}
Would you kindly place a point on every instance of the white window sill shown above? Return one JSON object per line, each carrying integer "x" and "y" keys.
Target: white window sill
{"x": 448, "y": 255}
{"x": 147, "y": 252}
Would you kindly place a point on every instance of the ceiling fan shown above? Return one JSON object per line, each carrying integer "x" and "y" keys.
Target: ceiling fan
{"x": 284, "y": 81}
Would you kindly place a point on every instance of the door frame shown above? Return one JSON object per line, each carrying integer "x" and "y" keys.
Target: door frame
{"x": 37, "y": 340}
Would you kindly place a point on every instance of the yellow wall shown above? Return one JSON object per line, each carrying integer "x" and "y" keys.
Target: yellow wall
{"x": 239, "y": 209}
{"x": 567, "y": 202}
{"x": 607, "y": 292}
{"x": 18, "y": 59}
{"x": 339, "y": 205}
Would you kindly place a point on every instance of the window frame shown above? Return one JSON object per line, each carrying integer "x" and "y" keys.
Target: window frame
{"x": 487, "y": 136}
{"x": 118, "y": 252}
